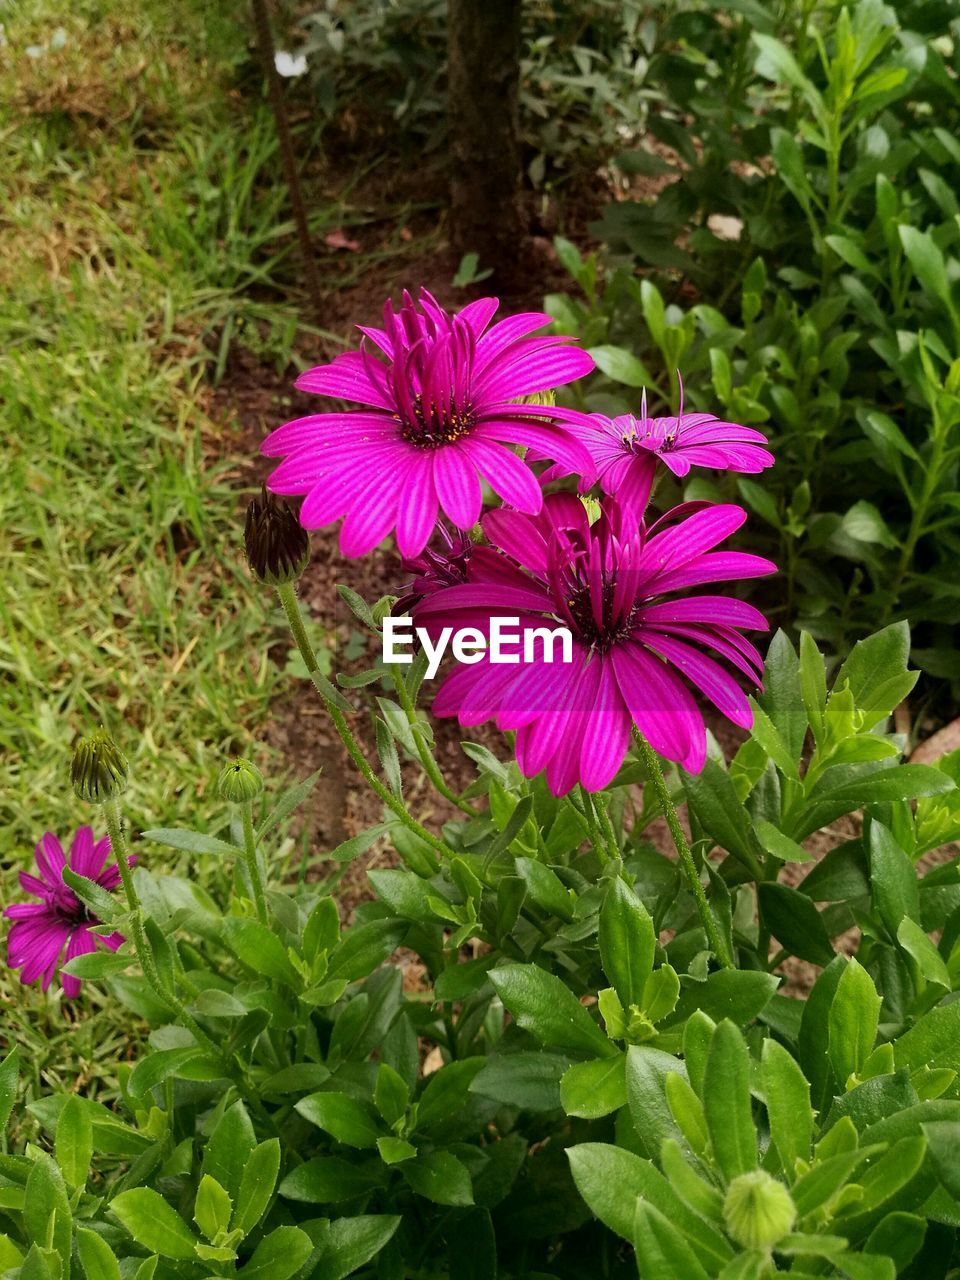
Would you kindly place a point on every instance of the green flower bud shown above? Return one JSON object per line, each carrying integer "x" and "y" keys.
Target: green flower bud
{"x": 547, "y": 398}
{"x": 99, "y": 768}
{"x": 240, "y": 781}
{"x": 277, "y": 545}
{"x": 758, "y": 1210}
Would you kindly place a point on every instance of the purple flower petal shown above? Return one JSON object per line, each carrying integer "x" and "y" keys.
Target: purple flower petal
{"x": 458, "y": 486}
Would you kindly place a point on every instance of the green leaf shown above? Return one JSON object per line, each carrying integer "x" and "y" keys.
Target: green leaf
{"x": 352, "y": 848}
{"x": 730, "y": 993}
{"x": 260, "y": 949}
{"x": 928, "y": 262}
{"x": 73, "y": 1145}
{"x": 782, "y": 697}
{"x": 212, "y": 1208}
{"x": 903, "y": 782}
{"x": 662, "y": 1253}
{"x": 96, "y": 965}
{"x": 687, "y": 1110}
{"x": 621, "y": 365}
{"x": 612, "y": 1180}
{"x": 897, "y": 1237}
{"x": 364, "y": 948}
{"x": 544, "y": 1006}
{"x": 594, "y": 1089}
{"x": 9, "y": 1074}
{"x": 229, "y": 1148}
{"x": 924, "y": 954}
{"x": 873, "y": 672}
{"x": 661, "y": 992}
{"x": 776, "y": 62}
{"x": 893, "y": 880}
{"x": 853, "y": 1021}
{"x": 726, "y": 1102}
{"x": 96, "y": 1256}
{"x": 192, "y": 841}
{"x": 389, "y": 759}
{"x": 104, "y": 905}
{"x": 795, "y": 922}
{"x": 290, "y": 800}
{"x": 545, "y": 888}
{"x": 825, "y": 1179}
{"x": 391, "y": 1096}
{"x": 347, "y": 1244}
{"x": 159, "y": 1066}
{"x": 331, "y": 1180}
{"x": 530, "y": 1081}
{"x": 787, "y": 1095}
{"x": 395, "y": 1150}
{"x": 788, "y": 158}
{"x": 440, "y": 1177}
{"x": 647, "y": 1072}
{"x": 257, "y": 1185}
{"x": 279, "y": 1255}
{"x": 153, "y": 1223}
{"x": 46, "y": 1209}
{"x": 342, "y": 1117}
{"x": 627, "y": 942}
{"x": 714, "y": 802}
{"x": 773, "y": 841}
{"x": 447, "y": 1092}
{"x": 933, "y": 1041}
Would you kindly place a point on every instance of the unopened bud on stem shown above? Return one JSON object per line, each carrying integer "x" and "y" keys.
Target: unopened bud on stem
{"x": 99, "y": 768}
{"x": 758, "y": 1210}
{"x": 240, "y": 781}
{"x": 277, "y": 545}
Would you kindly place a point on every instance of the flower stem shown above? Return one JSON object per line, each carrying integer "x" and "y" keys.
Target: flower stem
{"x": 652, "y": 765}
{"x": 288, "y": 599}
{"x": 431, "y": 768}
{"x": 253, "y": 867}
{"x": 118, "y": 844}
{"x": 601, "y": 838}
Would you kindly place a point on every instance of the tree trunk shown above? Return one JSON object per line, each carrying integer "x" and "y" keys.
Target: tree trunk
{"x": 484, "y": 75}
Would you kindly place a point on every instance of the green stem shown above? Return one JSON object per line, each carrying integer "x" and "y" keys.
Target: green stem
{"x": 288, "y": 599}
{"x": 253, "y": 867}
{"x": 431, "y": 768}
{"x": 118, "y": 844}
{"x": 655, "y": 773}
{"x": 601, "y": 838}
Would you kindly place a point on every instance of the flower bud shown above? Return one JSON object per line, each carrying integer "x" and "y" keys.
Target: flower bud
{"x": 758, "y": 1210}
{"x": 99, "y": 768}
{"x": 277, "y": 545}
{"x": 240, "y": 780}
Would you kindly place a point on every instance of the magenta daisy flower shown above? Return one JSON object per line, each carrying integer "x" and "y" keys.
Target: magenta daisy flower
{"x": 59, "y": 926}
{"x": 626, "y": 450}
{"x": 637, "y": 645}
{"x": 438, "y": 414}
{"x": 444, "y": 565}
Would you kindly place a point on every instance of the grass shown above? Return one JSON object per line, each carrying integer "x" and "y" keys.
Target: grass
{"x": 142, "y": 228}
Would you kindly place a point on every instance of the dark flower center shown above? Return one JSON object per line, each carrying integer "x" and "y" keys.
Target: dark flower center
{"x": 612, "y": 628}
{"x": 429, "y": 426}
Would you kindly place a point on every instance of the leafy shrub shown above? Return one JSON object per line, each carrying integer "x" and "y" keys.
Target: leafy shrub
{"x": 827, "y": 133}
{"x": 582, "y": 83}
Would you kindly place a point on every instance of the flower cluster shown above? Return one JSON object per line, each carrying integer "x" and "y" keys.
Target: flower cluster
{"x": 442, "y": 398}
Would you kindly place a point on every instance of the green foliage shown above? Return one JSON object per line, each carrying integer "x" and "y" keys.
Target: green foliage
{"x": 284, "y": 1123}
{"x": 827, "y": 134}
{"x": 583, "y": 76}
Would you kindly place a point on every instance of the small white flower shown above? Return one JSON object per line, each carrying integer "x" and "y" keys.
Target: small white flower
{"x": 289, "y": 65}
